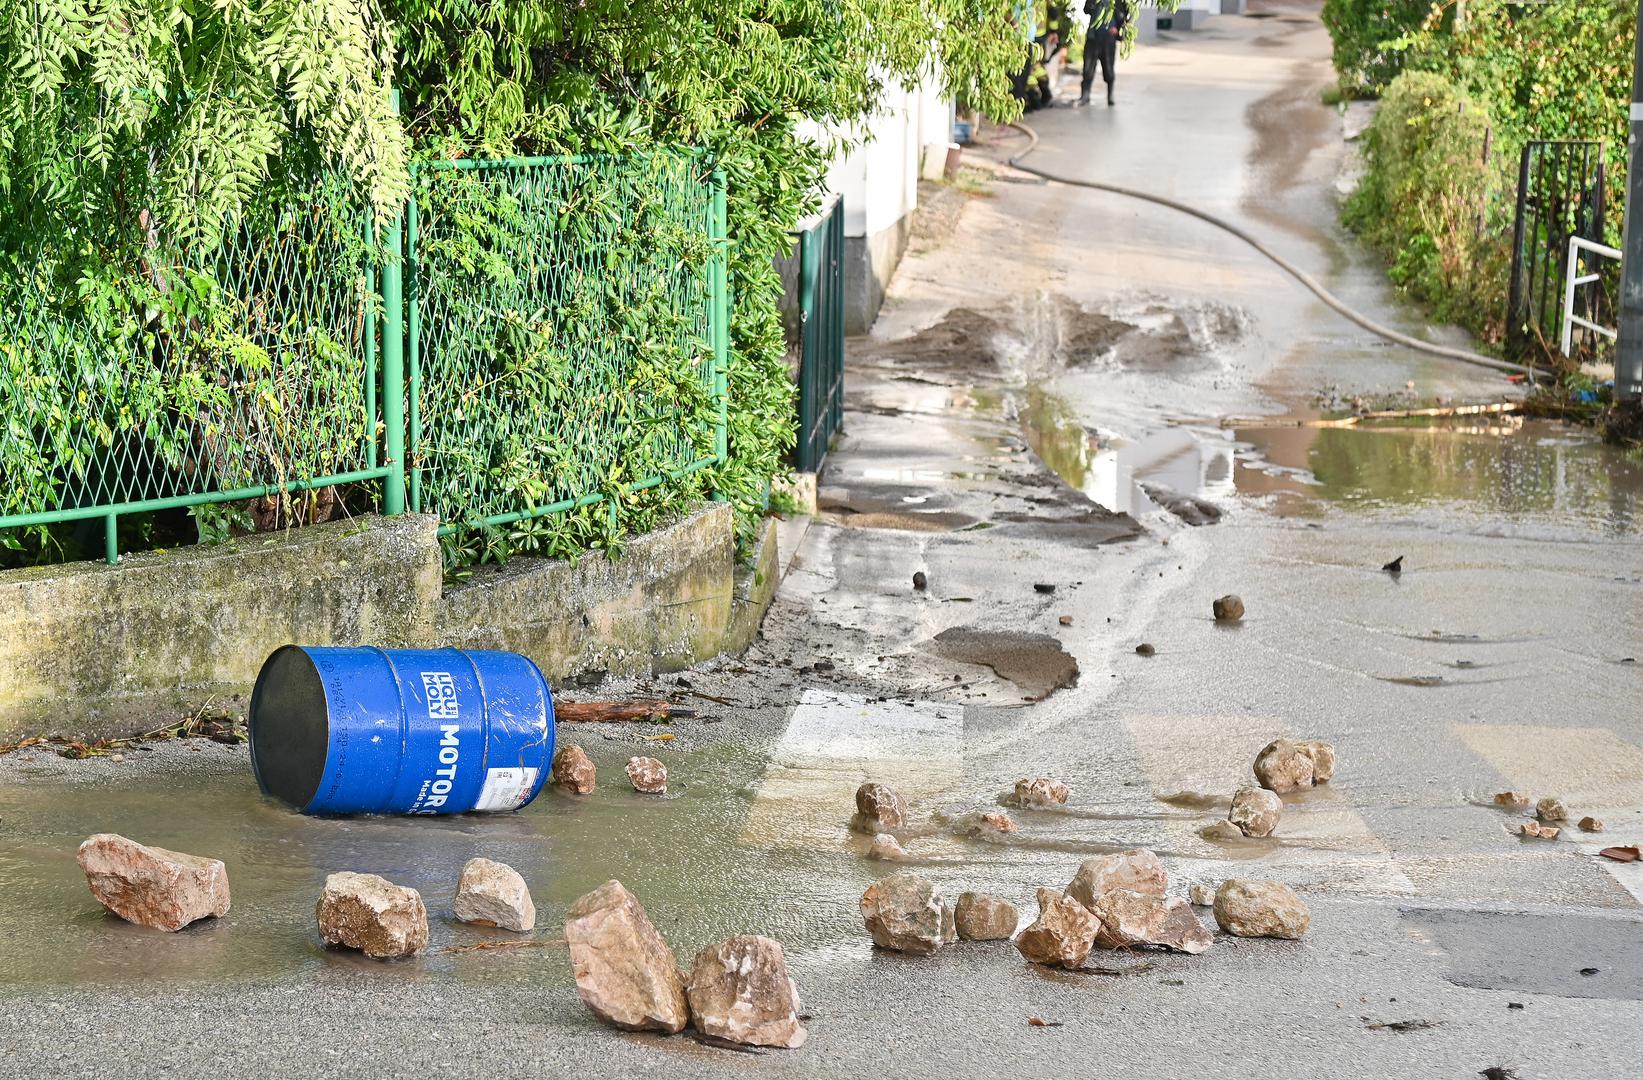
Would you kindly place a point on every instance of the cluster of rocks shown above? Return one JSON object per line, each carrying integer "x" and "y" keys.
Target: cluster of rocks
{"x": 1281, "y": 766}
{"x": 737, "y": 990}
{"x": 574, "y": 772}
{"x": 1114, "y": 902}
{"x": 1118, "y": 901}
{"x": 1550, "y": 815}
{"x": 168, "y": 890}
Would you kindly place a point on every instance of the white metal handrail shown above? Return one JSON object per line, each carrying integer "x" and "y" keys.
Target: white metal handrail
{"x": 1573, "y": 280}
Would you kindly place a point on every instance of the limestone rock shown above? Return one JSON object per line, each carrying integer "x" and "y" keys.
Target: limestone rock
{"x": 1042, "y": 791}
{"x": 1511, "y": 800}
{"x": 1260, "y": 909}
{"x": 372, "y": 914}
{"x": 624, "y": 971}
{"x": 1591, "y": 824}
{"x": 1284, "y": 766}
{"x": 1255, "y": 811}
{"x": 879, "y": 810}
{"x": 991, "y": 823}
{"x": 647, "y": 775}
{"x": 1137, "y": 870}
{"x": 1323, "y": 759}
{"x": 905, "y": 912}
{"x": 493, "y": 894}
{"x": 1131, "y": 918}
{"x": 949, "y": 924}
{"x": 1201, "y": 895}
{"x": 1538, "y": 831}
{"x": 572, "y": 770}
{"x": 1222, "y": 830}
{"x": 1550, "y": 809}
{"x": 740, "y": 990}
{"x": 152, "y": 886}
{"x": 1228, "y": 608}
{"x": 981, "y": 917}
{"x": 1062, "y": 935}
{"x": 887, "y": 848}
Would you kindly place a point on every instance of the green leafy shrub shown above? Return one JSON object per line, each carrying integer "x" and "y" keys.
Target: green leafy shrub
{"x": 1365, "y": 35}
{"x": 1431, "y": 203}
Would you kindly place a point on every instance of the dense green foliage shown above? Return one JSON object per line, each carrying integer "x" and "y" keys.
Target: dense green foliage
{"x": 1430, "y": 202}
{"x": 1365, "y": 34}
{"x": 1510, "y": 74}
{"x": 141, "y": 135}
{"x": 744, "y": 79}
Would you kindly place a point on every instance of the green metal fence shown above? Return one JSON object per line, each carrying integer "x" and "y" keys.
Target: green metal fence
{"x": 821, "y": 337}
{"x": 565, "y": 336}
{"x": 535, "y": 335}
{"x": 190, "y": 382}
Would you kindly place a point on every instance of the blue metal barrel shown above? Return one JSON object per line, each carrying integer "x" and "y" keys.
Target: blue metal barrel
{"x": 400, "y": 731}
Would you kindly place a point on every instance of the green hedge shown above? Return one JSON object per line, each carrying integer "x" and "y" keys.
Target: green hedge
{"x": 1431, "y": 204}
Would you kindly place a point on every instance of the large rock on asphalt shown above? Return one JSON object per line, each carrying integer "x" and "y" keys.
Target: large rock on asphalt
{"x": 887, "y": 848}
{"x": 1228, "y": 608}
{"x": 1323, "y": 759}
{"x": 572, "y": 770}
{"x": 1551, "y": 809}
{"x": 624, "y": 971}
{"x": 151, "y": 886}
{"x": 740, "y": 990}
{"x": 1062, "y": 935}
{"x": 980, "y": 917}
{"x": 1255, "y": 811}
{"x": 879, "y": 810}
{"x": 1260, "y": 909}
{"x": 906, "y": 913}
{"x": 647, "y": 775}
{"x": 372, "y": 914}
{"x": 1042, "y": 791}
{"x": 1137, "y": 870}
{"x": 1131, "y": 918}
{"x": 1284, "y": 766}
{"x": 493, "y": 894}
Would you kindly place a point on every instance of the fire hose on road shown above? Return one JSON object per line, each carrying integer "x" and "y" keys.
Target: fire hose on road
{"x": 1311, "y": 283}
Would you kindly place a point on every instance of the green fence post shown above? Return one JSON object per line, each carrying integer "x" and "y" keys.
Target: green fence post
{"x": 393, "y": 372}
{"x": 721, "y": 318}
{"x": 413, "y": 348}
{"x": 111, "y": 539}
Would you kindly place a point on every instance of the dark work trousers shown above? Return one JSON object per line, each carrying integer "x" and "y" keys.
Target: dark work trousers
{"x": 1100, "y": 47}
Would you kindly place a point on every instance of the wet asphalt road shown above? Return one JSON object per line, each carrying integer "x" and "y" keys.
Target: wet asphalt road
{"x": 1493, "y": 662}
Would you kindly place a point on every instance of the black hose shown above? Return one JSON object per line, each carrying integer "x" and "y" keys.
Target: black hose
{"x": 1465, "y": 356}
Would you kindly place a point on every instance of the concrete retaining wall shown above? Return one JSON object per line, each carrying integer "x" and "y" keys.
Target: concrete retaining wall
{"x": 88, "y": 649}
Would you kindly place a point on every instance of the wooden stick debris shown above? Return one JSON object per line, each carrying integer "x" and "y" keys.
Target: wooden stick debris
{"x": 601, "y": 712}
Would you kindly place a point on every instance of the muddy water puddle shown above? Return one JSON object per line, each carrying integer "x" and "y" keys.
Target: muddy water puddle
{"x": 277, "y": 861}
{"x": 1532, "y": 473}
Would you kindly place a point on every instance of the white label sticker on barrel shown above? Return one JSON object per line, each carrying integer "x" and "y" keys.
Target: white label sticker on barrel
{"x": 506, "y": 789}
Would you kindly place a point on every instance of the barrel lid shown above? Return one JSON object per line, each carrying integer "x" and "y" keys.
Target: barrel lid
{"x": 289, "y": 727}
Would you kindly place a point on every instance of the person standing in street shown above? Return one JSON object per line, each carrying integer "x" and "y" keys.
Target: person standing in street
{"x": 1108, "y": 18}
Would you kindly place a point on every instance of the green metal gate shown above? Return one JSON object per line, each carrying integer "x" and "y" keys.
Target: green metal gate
{"x": 821, "y": 336}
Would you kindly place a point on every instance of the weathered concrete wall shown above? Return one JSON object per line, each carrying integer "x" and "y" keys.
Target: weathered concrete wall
{"x": 663, "y": 605}
{"x": 88, "y": 648}
{"x": 869, "y": 263}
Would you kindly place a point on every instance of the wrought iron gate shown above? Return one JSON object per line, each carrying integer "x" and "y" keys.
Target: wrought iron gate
{"x": 1560, "y": 194}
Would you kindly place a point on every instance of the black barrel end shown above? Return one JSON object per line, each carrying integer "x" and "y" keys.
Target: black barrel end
{"x": 289, "y": 726}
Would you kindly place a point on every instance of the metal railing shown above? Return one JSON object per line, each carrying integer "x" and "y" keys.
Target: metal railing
{"x": 821, "y": 336}
{"x": 535, "y": 335}
{"x": 1573, "y": 279}
{"x": 1560, "y": 194}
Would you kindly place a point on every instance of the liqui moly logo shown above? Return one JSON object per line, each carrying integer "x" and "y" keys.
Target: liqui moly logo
{"x": 442, "y": 705}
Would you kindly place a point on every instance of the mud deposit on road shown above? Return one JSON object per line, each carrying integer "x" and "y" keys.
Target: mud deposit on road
{"x": 1035, "y": 662}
